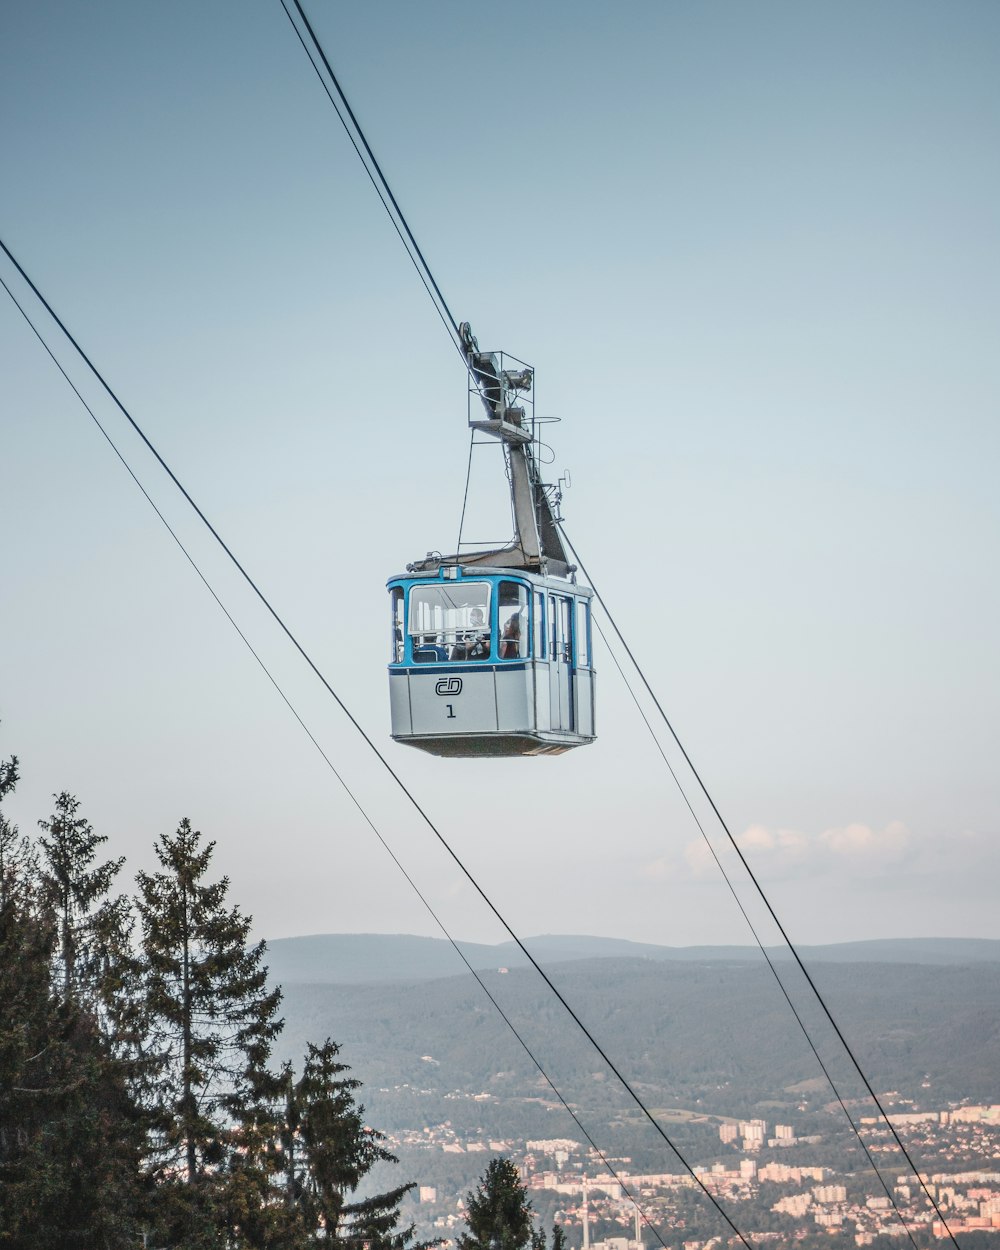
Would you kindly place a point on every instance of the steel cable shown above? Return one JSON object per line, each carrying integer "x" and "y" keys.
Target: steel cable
{"x": 334, "y": 770}
{"x": 466, "y": 872}
{"x": 760, "y": 891}
{"x": 763, "y": 949}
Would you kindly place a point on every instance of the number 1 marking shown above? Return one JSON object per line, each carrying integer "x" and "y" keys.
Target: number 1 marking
{"x": 451, "y": 711}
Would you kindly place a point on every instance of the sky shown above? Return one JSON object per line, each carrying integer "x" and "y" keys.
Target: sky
{"x": 752, "y": 253}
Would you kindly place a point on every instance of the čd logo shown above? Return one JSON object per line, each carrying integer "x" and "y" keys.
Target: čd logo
{"x": 449, "y": 685}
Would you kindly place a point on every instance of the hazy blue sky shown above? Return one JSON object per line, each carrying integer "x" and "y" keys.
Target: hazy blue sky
{"x": 752, "y": 251}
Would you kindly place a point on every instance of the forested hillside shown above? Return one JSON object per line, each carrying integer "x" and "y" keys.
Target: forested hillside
{"x": 717, "y": 1035}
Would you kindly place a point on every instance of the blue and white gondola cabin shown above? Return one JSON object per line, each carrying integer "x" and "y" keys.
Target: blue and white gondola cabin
{"x": 490, "y": 662}
{"x": 492, "y": 650}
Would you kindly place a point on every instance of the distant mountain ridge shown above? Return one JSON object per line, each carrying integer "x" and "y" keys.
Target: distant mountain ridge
{"x": 371, "y": 958}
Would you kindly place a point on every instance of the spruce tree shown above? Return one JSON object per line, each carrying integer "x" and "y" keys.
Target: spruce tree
{"x": 213, "y": 1020}
{"x": 95, "y": 965}
{"x": 327, "y": 1152}
{"x": 27, "y": 1029}
{"x": 69, "y": 1133}
{"x": 26, "y": 1016}
{"x": 91, "y": 925}
{"x": 335, "y": 1151}
{"x": 9, "y": 776}
{"x": 18, "y": 866}
{"x": 498, "y": 1213}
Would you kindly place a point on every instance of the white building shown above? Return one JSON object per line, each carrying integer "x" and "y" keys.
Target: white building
{"x": 830, "y": 1193}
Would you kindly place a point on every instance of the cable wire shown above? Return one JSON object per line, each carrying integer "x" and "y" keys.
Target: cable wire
{"x": 444, "y": 312}
{"x": 454, "y": 326}
{"x": 371, "y": 156}
{"x": 466, "y": 872}
{"x": 399, "y": 222}
{"x": 701, "y": 784}
{"x": 750, "y": 925}
{"x": 424, "y": 274}
{"x": 337, "y": 774}
{"x": 760, "y": 891}
{"x": 465, "y": 493}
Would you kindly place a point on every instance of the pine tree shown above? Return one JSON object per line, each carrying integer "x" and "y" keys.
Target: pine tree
{"x": 96, "y": 968}
{"x": 327, "y": 1151}
{"x": 9, "y": 776}
{"x": 27, "y": 1028}
{"x": 68, "y": 1130}
{"x": 26, "y": 1017}
{"x": 213, "y": 1020}
{"x": 77, "y": 890}
{"x": 498, "y": 1213}
{"x": 18, "y": 866}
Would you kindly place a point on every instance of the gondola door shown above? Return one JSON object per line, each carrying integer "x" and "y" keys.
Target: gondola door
{"x": 561, "y": 663}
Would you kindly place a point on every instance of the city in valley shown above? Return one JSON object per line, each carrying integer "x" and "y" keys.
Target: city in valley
{"x": 765, "y": 1175}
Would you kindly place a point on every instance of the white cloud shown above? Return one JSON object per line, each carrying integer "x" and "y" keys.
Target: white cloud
{"x": 789, "y": 852}
{"x": 787, "y": 843}
{"x": 890, "y": 843}
{"x": 838, "y": 883}
{"x": 699, "y": 858}
{"x": 856, "y": 853}
{"x": 658, "y": 869}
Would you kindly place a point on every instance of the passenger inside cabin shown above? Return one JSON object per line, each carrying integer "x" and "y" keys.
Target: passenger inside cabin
{"x": 510, "y": 638}
{"x": 475, "y": 643}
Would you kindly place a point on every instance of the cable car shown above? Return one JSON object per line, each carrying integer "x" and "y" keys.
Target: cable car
{"x": 492, "y": 650}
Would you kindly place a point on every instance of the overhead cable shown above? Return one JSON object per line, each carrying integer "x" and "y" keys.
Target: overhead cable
{"x": 763, "y": 949}
{"x": 374, "y": 171}
{"x": 760, "y": 890}
{"x": 443, "y": 305}
{"x": 381, "y": 179}
{"x": 466, "y": 872}
{"x": 336, "y": 772}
